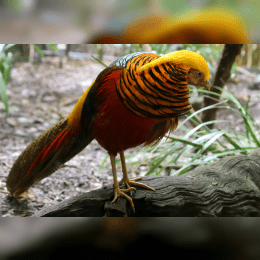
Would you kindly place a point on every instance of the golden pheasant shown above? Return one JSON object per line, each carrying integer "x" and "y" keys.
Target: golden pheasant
{"x": 135, "y": 101}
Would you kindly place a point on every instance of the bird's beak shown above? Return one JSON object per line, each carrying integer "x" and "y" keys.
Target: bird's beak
{"x": 204, "y": 85}
{"x": 207, "y": 86}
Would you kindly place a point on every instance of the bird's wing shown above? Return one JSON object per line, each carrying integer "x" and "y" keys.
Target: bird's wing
{"x": 125, "y": 60}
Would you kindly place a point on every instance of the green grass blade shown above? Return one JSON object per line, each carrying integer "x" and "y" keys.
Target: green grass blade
{"x": 38, "y": 50}
{"x": 186, "y": 142}
{"x": 54, "y": 47}
{"x": 199, "y": 111}
{"x": 3, "y": 94}
{"x": 207, "y": 144}
{"x": 102, "y": 164}
{"x": 99, "y": 61}
{"x": 160, "y": 159}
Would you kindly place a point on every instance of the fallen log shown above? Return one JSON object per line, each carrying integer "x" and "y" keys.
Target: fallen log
{"x": 229, "y": 187}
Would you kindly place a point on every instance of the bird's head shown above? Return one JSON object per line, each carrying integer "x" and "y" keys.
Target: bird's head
{"x": 197, "y": 78}
{"x": 198, "y": 71}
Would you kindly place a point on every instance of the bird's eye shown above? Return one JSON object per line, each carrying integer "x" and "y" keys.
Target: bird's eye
{"x": 199, "y": 74}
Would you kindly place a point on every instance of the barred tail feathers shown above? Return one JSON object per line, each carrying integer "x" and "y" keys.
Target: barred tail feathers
{"x": 46, "y": 154}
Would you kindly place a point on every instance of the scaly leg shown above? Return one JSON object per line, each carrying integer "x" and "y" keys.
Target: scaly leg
{"x": 117, "y": 191}
{"x": 126, "y": 179}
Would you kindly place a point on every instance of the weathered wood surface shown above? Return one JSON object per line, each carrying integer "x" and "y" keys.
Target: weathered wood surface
{"x": 229, "y": 187}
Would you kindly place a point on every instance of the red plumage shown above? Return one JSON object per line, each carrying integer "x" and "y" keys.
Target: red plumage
{"x": 116, "y": 127}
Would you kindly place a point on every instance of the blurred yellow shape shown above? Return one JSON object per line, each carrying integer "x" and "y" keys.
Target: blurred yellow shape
{"x": 203, "y": 26}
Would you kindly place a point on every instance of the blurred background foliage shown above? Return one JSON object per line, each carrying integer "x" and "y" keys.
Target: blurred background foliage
{"x": 5, "y": 71}
{"x": 79, "y": 20}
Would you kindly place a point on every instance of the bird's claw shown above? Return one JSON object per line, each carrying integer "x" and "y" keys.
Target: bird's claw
{"x": 136, "y": 179}
{"x": 121, "y": 192}
{"x": 133, "y": 182}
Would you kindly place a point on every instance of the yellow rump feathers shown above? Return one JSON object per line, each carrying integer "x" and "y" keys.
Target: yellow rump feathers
{"x": 75, "y": 115}
{"x": 189, "y": 58}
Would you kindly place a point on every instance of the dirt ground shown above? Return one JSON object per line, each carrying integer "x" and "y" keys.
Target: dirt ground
{"x": 42, "y": 94}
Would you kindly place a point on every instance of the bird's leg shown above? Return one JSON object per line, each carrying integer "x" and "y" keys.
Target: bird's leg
{"x": 126, "y": 179}
{"x": 117, "y": 191}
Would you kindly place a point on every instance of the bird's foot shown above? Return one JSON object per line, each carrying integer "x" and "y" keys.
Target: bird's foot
{"x": 121, "y": 192}
{"x": 133, "y": 182}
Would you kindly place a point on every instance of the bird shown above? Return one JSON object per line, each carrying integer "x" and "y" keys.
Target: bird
{"x": 135, "y": 101}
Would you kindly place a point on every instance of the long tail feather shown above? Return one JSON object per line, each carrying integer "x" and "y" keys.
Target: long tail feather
{"x": 47, "y": 153}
